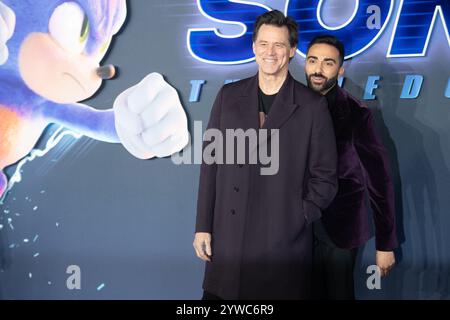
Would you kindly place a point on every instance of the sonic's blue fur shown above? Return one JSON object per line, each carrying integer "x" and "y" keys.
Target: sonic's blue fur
{"x": 33, "y": 16}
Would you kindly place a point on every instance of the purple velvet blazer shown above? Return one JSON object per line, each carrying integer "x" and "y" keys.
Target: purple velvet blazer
{"x": 362, "y": 166}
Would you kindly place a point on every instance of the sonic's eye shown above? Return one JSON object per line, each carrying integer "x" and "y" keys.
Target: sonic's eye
{"x": 84, "y": 29}
{"x": 69, "y": 26}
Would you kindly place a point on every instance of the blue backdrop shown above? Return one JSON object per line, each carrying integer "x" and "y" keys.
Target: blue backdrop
{"x": 128, "y": 223}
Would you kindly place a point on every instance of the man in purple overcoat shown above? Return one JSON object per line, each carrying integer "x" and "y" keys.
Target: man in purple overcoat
{"x": 254, "y": 231}
{"x": 362, "y": 165}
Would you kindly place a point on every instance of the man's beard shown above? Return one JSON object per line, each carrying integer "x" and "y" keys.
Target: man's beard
{"x": 323, "y": 88}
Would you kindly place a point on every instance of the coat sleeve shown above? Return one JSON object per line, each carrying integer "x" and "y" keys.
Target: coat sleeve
{"x": 321, "y": 183}
{"x": 374, "y": 159}
{"x": 207, "y": 182}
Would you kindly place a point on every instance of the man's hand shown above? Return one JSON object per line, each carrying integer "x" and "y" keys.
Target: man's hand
{"x": 202, "y": 245}
{"x": 150, "y": 120}
{"x": 7, "y": 26}
{"x": 385, "y": 260}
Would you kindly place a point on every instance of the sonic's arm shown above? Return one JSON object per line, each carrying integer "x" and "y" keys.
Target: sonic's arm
{"x": 80, "y": 118}
{"x": 148, "y": 119}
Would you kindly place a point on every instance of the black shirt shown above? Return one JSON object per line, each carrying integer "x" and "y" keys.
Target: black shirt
{"x": 265, "y": 101}
{"x": 319, "y": 230}
{"x": 331, "y": 96}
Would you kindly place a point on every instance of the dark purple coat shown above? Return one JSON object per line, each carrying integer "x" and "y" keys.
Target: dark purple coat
{"x": 260, "y": 225}
{"x": 363, "y": 164}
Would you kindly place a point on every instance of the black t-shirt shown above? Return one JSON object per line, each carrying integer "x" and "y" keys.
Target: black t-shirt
{"x": 319, "y": 230}
{"x": 331, "y": 96}
{"x": 265, "y": 101}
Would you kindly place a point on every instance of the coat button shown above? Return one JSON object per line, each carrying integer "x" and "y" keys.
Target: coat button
{"x": 236, "y": 189}
{"x": 233, "y": 212}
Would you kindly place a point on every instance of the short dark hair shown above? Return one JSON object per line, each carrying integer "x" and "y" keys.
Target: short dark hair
{"x": 277, "y": 18}
{"x": 332, "y": 41}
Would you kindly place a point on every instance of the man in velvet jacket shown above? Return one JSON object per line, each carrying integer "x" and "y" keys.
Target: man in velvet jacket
{"x": 362, "y": 165}
{"x": 254, "y": 231}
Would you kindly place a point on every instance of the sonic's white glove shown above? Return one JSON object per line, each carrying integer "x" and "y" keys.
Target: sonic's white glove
{"x": 7, "y": 26}
{"x": 150, "y": 120}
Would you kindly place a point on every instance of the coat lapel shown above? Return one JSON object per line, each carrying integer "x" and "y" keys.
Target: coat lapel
{"x": 282, "y": 109}
{"x": 248, "y": 105}
{"x": 283, "y": 105}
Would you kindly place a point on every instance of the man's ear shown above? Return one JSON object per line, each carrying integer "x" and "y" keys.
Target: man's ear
{"x": 253, "y": 47}
{"x": 292, "y": 52}
{"x": 341, "y": 71}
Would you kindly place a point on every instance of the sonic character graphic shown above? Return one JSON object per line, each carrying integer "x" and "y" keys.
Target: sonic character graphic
{"x": 50, "y": 54}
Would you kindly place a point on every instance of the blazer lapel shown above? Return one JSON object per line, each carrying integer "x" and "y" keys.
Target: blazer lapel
{"x": 340, "y": 111}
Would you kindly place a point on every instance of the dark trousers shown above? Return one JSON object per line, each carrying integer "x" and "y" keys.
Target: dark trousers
{"x": 332, "y": 269}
